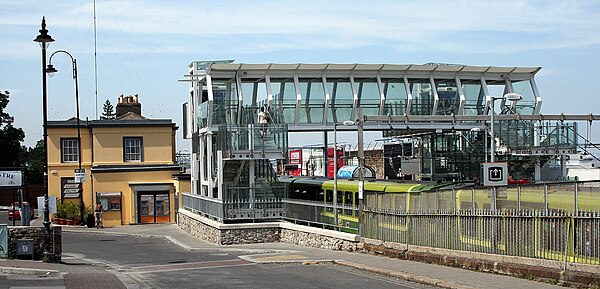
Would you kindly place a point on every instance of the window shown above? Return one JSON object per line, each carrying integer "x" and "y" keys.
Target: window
{"x": 132, "y": 149}
{"x": 69, "y": 148}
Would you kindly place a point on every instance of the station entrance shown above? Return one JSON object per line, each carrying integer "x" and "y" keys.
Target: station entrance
{"x": 153, "y": 207}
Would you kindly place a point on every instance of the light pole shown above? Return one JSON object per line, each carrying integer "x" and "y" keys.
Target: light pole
{"x": 361, "y": 173}
{"x": 44, "y": 40}
{"x": 51, "y": 70}
{"x": 335, "y": 167}
{"x": 509, "y": 96}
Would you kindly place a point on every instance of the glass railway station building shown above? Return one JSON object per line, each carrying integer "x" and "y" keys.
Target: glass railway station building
{"x": 232, "y": 154}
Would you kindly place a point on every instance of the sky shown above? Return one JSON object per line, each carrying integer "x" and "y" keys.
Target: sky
{"x": 144, "y": 47}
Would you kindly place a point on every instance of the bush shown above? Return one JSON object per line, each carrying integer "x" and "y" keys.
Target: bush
{"x": 68, "y": 211}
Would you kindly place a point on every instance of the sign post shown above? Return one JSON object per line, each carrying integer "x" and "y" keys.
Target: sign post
{"x": 80, "y": 176}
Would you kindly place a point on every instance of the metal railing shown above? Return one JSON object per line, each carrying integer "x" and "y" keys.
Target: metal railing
{"x": 268, "y": 208}
{"x": 322, "y": 214}
{"x": 534, "y": 234}
{"x": 208, "y": 207}
{"x": 248, "y": 204}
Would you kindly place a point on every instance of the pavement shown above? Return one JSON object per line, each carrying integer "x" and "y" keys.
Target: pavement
{"x": 430, "y": 274}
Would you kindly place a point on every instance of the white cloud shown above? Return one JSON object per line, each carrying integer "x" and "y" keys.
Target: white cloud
{"x": 404, "y": 25}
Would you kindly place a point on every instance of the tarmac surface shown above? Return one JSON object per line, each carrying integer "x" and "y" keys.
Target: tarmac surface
{"x": 29, "y": 273}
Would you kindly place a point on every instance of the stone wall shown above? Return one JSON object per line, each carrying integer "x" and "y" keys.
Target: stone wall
{"x": 199, "y": 229}
{"x": 231, "y": 234}
{"x": 38, "y": 235}
{"x": 318, "y": 241}
{"x": 223, "y": 234}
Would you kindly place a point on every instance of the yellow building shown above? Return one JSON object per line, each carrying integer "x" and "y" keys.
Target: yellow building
{"x": 129, "y": 165}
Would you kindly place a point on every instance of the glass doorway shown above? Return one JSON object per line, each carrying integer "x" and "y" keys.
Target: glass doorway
{"x": 153, "y": 208}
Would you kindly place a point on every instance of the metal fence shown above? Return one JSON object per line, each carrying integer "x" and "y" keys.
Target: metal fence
{"x": 536, "y": 234}
{"x": 320, "y": 214}
{"x": 238, "y": 209}
{"x": 551, "y": 221}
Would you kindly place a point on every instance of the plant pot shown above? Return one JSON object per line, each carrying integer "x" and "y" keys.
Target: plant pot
{"x": 70, "y": 222}
{"x": 60, "y": 221}
{"x": 76, "y": 222}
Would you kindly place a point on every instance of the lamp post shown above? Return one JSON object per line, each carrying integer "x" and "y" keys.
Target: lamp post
{"x": 335, "y": 167}
{"x": 44, "y": 40}
{"x": 361, "y": 173}
{"x": 509, "y": 96}
{"x": 51, "y": 70}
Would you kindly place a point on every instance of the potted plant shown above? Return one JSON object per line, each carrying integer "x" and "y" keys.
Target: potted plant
{"x": 72, "y": 213}
{"x": 60, "y": 214}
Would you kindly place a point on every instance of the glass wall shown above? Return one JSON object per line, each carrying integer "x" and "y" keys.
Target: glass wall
{"x": 369, "y": 97}
{"x": 225, "y": 105}
{"x": 342, "y": 100}
{"x": 313, "y": 100}
{"x": 527, "y": 104}
{"x": 248, "y": 107}
{"x": 422, "y": 103}
{"x": 449, "y": 99}
{"x": 395, "y": 96}
{"x": 284, "y": 98}
{"x": 474, "y": 96}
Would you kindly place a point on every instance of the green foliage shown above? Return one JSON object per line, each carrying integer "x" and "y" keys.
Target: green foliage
{"x": 108, "y": 111}
{"x": 71, "y": 211}
{"x": 35, "y": 160}
{"x": 11, "y": 137}
{"x": 68, "y": 211}
{"x": 60, "y": 210}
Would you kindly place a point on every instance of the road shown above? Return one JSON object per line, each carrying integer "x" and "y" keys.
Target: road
{"x": 157, "y": 263}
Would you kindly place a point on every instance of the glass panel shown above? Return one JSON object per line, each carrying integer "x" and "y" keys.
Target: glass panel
{"x": 249, "y": 113}
{"x": 422, "y": 103}
{"x": 147, "y": 205}
{"x": 395, "y": 96}
{"x": 313, "y": 101}
{"x": 341, "y": 100}
{"x": 449, "y": 99}
{"x": 284, "y": 96}
{"x": 369, "y": 97}
{"x": 225, "y": 102}
{"x": 261, "y": 94}
{"x": 247, "y": 93}
{"x": 527, "y": 104}
{"x": 474, "y": 97}
{"x": 202, "y": 118}
{"x": 162, "y": 205}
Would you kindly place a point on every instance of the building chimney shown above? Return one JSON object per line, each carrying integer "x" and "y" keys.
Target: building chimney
{"x": 128, "y": 104}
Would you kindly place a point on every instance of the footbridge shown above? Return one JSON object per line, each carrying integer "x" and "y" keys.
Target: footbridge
{"x": 444, "y": 110}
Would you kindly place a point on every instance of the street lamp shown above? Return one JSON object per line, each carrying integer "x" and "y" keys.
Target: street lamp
{"x": 361, "y": 168}
{"x": 51, "y": 70}
{"x": 44, "y": 40}
{"x": 335, "y": 167}
{"x": 509, "y": 96}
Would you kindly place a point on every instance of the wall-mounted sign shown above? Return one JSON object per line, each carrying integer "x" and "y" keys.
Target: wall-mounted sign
{"x": 70, "y": 188}
{"x": 495, "y": 174}
{"x": 11, "y": 178}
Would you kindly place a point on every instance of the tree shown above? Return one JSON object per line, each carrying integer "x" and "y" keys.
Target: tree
{"x": 35, "y": 160}
{"x": 108, "y": 111}
{"x": 10, "y": 136}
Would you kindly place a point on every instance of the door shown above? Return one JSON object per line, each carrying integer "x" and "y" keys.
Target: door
{"x": 153, "y": 208}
